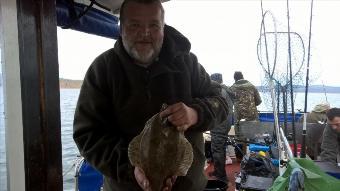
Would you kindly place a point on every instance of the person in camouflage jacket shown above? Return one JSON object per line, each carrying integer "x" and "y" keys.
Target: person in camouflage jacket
{"x": 318, "y": 114}
{"x": 247, "y": 98}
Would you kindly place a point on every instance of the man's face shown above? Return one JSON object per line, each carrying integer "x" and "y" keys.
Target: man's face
{"x": 142, "y": 31}
{"x": 335, "y": 123}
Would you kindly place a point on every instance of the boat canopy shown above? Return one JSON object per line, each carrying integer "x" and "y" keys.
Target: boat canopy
{"x": 97, "y": 17}
{"x": 94, "y": 21}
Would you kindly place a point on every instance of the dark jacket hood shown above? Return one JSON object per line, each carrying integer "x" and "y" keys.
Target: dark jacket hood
{"x": 176, "y": 40}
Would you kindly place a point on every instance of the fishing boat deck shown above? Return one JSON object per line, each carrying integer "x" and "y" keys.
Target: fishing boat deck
{"x": 231, "y": 169}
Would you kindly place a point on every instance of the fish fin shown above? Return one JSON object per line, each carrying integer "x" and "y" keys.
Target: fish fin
{"x": 187, "y": 159}
{"x": 134, "y": 151}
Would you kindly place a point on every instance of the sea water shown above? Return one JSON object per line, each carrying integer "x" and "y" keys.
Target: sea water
{"x": 68, "y": 99}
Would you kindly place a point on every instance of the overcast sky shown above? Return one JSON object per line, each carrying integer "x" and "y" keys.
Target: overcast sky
{"x": 224, "y": 35}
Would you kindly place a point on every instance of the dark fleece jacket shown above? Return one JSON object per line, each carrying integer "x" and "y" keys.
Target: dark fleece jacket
{"x": 117, "y": 98}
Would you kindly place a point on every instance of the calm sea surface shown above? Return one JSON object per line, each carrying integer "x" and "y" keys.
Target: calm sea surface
{"x": 68, "y": 99}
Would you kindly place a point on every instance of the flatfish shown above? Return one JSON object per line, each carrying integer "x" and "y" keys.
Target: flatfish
{"x": 161, "y": 151}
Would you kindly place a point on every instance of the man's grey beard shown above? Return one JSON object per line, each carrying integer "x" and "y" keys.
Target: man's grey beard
{"x": 147, "y": 58}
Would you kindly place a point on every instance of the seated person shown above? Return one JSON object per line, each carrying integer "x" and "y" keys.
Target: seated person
{"x": 318, "y": 114}
{"x": 330, "y": 146}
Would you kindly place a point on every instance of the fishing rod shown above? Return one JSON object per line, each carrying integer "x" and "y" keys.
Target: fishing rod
{"x": 284, "y": 103}
{"x": 324, "y": 90}
{"x": 291, "y": 82}
{"x": 303, "y": 149}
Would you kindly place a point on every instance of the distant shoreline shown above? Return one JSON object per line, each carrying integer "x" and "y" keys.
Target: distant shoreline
{"x": 76, "y": 84}
{"x": 70, "y": 84}
{"x": 311, "y": 89}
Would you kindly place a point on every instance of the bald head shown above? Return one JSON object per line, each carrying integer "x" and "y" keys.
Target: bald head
{"x": 126, "y": 2}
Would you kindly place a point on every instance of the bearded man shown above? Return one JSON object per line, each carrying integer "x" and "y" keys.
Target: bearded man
{"x": 150, "y": 64}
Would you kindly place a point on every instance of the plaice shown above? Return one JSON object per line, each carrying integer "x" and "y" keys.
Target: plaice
{"x": 161, "y": 151}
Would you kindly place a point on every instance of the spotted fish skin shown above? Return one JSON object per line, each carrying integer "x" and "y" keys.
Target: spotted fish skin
{"x": 161, "y": 151}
